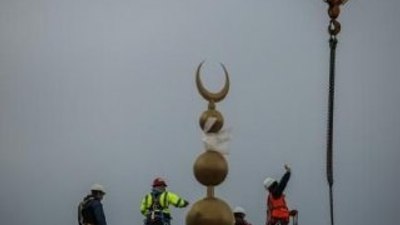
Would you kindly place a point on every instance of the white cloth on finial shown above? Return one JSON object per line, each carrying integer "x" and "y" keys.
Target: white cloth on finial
{"x": 216, "y": 141}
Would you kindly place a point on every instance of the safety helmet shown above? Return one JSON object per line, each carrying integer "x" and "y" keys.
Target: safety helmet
{"x": 268, "y": 182}
{"x": 159, "y": 182}
{"x": 98, "y": 187}
{"x": 239, "y": 209}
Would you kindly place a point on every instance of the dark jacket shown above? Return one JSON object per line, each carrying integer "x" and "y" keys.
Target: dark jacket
{"x": 239, "y": 220}
{"x": 277, "y": 189}
{"x": 92, "y": 211}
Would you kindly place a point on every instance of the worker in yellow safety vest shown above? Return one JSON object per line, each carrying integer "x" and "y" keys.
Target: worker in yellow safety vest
{"x": 155, "y": 205}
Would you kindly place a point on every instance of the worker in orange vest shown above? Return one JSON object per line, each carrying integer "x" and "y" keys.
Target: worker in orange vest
{"x": 278, "y": 213}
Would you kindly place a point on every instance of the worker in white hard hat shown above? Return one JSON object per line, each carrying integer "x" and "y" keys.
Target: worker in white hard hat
{"x": 239, "y": 214}
{"x": 277, "y": 210}
{"x": 90, "y": 210}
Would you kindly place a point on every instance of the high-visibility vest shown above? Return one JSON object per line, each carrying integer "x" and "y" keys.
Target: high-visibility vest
{"x": 162, "y": 202}
{"x": 277, "y": 208}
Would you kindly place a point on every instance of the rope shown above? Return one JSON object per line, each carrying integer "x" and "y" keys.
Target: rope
{"x": 331, "y": 101}
{"x": 333, "y": 30}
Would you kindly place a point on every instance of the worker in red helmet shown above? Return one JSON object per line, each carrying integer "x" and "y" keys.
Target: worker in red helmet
{"x": 155, "y": 205}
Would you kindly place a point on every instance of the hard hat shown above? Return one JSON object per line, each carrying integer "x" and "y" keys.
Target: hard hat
{"x": 159, "y": 182}
{"x": 98, "y": 187}
{"x": 239, "y": 209}
{"x": 268, "y": 182}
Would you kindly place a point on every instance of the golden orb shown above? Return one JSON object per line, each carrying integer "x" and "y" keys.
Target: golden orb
{"x": 210, "y": 211}
{"x": 212, "y": 113}
{"x": 210, "y": 168}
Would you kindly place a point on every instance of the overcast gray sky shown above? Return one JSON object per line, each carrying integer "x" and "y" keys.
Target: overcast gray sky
{"x": 103, "y": 91}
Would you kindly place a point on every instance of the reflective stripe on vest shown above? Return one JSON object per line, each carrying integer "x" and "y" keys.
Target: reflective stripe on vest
{"x": 162, "y": 201}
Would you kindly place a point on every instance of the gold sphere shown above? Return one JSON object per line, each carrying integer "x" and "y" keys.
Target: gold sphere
{"x": 212, "y": 113}
{"x": 210, "y": 168}
{"x": 210, "y": 211}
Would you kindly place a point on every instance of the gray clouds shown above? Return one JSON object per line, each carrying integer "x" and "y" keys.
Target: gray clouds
{"x": 103, "y": 91}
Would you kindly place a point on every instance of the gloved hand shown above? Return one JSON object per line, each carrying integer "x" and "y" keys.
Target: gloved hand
{"x": 293, "y": 212}
{"x": 185, "y": 204}
{"x": 287, "y": 168}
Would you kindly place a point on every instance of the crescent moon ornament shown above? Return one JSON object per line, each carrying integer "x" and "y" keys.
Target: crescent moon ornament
{"x": 211, "y": 96}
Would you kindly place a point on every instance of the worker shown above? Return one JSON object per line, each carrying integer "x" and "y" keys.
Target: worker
{"x": 155, "y": 205}
{"x": 90, "y": 210}
{"x": 277, "y": 211}
{"x": 239, "y": 214}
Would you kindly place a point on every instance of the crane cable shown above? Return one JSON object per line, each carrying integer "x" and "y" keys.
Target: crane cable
{"x": 329, "y": 146}
{"x": 333, "y": 29}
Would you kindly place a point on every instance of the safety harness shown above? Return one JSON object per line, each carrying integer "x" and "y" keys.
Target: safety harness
{"x": 157, "y": 214}
{"x": 84, "y": 215}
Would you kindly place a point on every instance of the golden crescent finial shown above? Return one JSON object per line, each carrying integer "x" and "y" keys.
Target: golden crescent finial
{"x": 210, "y": 96}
